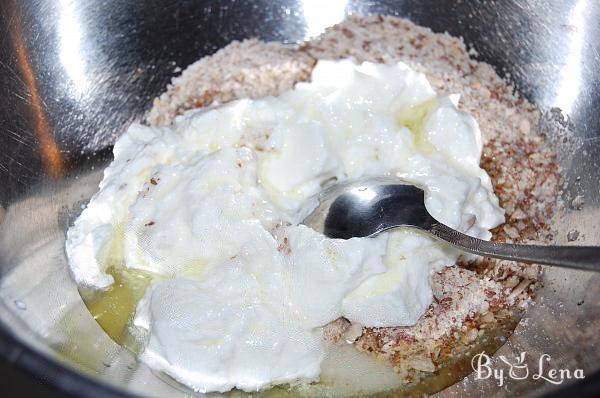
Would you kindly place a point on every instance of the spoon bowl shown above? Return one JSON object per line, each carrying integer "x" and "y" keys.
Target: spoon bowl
{"x": 369, "y": 206}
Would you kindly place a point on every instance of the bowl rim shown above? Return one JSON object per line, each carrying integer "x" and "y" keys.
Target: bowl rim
{"x": 51, "y": 372}
{"x": 66, "y": 380}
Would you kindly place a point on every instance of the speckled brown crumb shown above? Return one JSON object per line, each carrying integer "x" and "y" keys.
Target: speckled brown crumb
{"x": 248, "y": 69}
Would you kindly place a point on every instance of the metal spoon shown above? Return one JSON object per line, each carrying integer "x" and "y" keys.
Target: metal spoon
{"x": 367, "y": 207}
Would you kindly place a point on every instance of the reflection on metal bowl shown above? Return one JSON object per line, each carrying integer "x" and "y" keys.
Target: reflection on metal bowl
{"x": 75, "y": 73}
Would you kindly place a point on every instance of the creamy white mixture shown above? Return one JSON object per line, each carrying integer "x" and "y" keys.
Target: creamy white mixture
{"x": 211, "y": 206}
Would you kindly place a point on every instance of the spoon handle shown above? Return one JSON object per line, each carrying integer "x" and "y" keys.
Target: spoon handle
{"x": 581, "y": 257}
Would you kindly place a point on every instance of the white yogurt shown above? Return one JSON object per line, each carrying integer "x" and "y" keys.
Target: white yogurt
{"x": 211, "y": 206}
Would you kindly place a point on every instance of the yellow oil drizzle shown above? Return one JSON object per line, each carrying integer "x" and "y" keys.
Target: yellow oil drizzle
{"x": 114, "y": 308}
{"x": 414, "y": 117}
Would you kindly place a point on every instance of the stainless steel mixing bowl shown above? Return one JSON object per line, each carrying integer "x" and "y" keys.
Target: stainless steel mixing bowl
{"x": 75, "y": 73}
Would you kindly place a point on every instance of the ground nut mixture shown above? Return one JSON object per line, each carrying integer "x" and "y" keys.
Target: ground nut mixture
{"x": 470, "y": 297}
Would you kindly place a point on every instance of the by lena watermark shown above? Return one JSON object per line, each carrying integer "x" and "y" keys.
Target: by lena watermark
{"x": 520, "y": 370}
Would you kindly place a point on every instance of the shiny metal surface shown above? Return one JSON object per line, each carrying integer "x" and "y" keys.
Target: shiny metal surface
{"x": 74, "y": 73}
{"x": 369, "y": 206}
